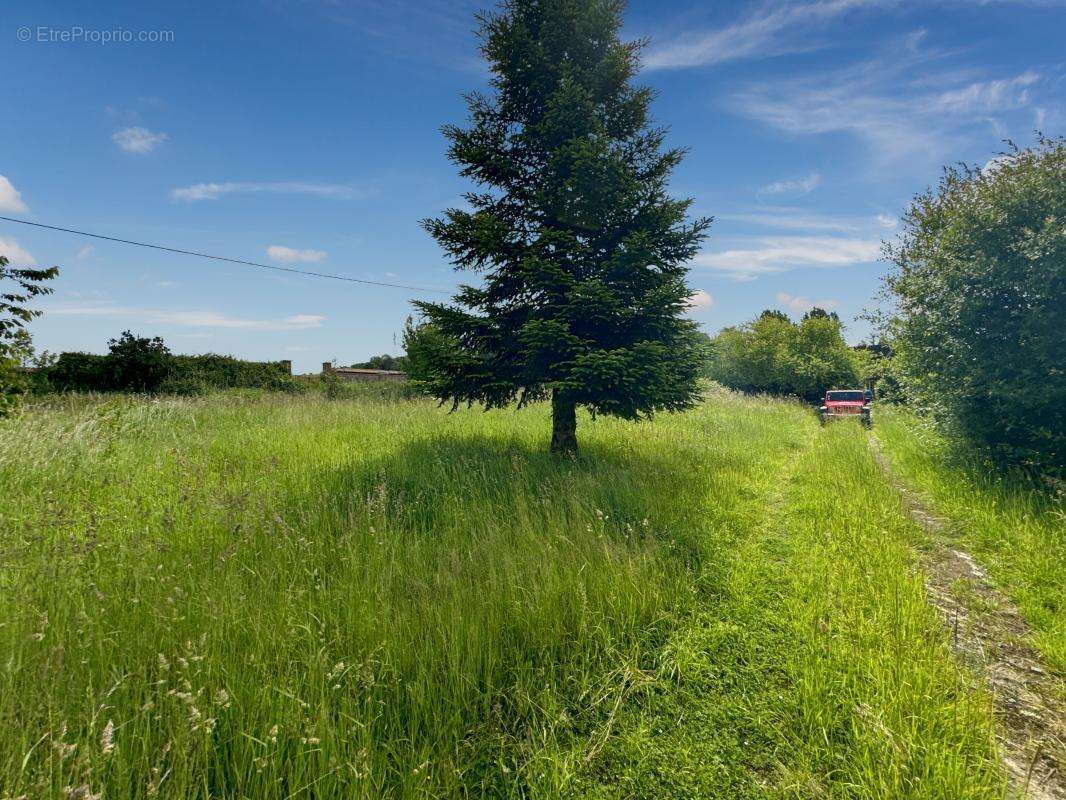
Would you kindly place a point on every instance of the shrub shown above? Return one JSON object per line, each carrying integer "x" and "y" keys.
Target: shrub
{"x": 334, "y": 388}
{"x": 225, "y": 372}
{"x": 83, "y": 372}
{"x": 979, "y": 282}
{"x": 137, "y": 363}
{"x": 12, "y": 383}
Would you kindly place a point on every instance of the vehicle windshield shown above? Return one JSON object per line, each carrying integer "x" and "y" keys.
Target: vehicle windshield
{"x": 849, "y": 396}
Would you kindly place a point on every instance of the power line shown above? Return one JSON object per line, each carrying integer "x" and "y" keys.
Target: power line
{"x": 223, "y": 258}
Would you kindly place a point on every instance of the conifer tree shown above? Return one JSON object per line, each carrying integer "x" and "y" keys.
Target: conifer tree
{"x": 580, "y": 249}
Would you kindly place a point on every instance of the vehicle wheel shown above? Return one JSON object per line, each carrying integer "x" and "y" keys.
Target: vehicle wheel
{"x": 867, "y": 423}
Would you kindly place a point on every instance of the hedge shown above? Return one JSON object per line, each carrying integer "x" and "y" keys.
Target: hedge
{"x": 88, "y": 372}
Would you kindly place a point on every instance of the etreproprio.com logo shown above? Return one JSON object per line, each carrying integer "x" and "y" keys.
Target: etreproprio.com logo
{"x": 77, "y": 34}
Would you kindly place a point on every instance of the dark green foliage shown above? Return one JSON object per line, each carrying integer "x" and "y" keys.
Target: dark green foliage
{"x": 138, "y": 363}
{"x": 580, "y": 250}
{"x": 80, "y": 372}
{"x": 821, "y": 313}
{"x": 773, "y": 313}
{"x": 980, "y": 284}
{"x": 18, "y": 286}
{"x": 772, "y": 354}
{"x": 146, "y": 365}
{"x": 384, "y": 361}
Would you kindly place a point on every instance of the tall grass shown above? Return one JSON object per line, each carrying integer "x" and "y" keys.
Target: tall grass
{"x": 286, "y": 596}
{"x": 1014, "y": 527}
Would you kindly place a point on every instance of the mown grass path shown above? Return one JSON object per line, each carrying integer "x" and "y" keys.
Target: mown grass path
{"x": 815, "y": 663}
{"x": 287, "y": 597}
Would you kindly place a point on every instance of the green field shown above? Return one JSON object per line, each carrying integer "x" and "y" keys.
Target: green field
{"x": 272, "y": 596}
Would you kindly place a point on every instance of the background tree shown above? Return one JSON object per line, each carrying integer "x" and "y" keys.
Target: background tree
{"x": 384, "y": 361}
{"x": 20, "y": 347}
{"x": 773, "y": 355}
{"x": 980, "y": 285}
{"x": 580, "y": 249}
{"x": 18, "y": 287}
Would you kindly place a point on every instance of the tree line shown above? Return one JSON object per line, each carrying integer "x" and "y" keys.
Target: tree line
{"x": 774, "y": 355}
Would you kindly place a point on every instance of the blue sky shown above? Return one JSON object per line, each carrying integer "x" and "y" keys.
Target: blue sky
{"x": 306, "y": 134}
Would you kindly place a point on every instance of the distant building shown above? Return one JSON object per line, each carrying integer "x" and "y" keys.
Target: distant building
{"x": 360, "y": 375}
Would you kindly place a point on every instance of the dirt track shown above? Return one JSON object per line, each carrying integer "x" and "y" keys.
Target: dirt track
{"x": 990, "y": 636}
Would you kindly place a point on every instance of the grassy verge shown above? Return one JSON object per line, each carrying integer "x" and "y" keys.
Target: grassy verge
{"x": 1014, "y": 529}
{"x": 286, "y": 596}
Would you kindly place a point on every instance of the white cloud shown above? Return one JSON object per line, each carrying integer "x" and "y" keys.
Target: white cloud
{"x": 14, "y": 252}
{"x": 901, "y": 104}
{"x": 167, "y": 284}
{"x": 188, "y": 319}
{"x": 305, "y": 321}
{"x": 772, "y": 254}
{"x": 84, "y": 252}
{"x": 138, "y": 140}
{"x": 886, "y": 221}
{"x": 985, "y": 97}
{"x": 11, "y": 198}
{"x": 775, "y": 32}
{"x": 789, "y": 218}
{"x": 796, "y": 186}
{"x": 288, "y": 255}
{"x": 802, "y": 304}
{"x": 213, "y": 191}
{"x": 700, "y": 299}
{"x": 776, "y": 29}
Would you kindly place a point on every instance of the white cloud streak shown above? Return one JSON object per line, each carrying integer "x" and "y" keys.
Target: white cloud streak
{"x": 188, "y": 318}
{"x": 767, "y": 33}
{"x": 772, "y": 254}
{"x": 11, "y": 198}
{"x": 15, "y": 253}
{"x": 798, "y": 186}
{"x": 985, "y": 97}
{"x": 138, "y": 140}
{"x": 288, "y": 255}
{"x": 792, "y": 218}
{"x": 213, "y": 191}
{"x": 899, "y": 103}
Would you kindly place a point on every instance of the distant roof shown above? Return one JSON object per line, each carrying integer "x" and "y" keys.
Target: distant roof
{"x": 362, "y": 371}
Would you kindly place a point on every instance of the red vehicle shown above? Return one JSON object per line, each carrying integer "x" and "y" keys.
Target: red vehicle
{"x": 853, "y": 403}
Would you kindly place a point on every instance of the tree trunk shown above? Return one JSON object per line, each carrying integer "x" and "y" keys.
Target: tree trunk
{"x": 564, "y": 424}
